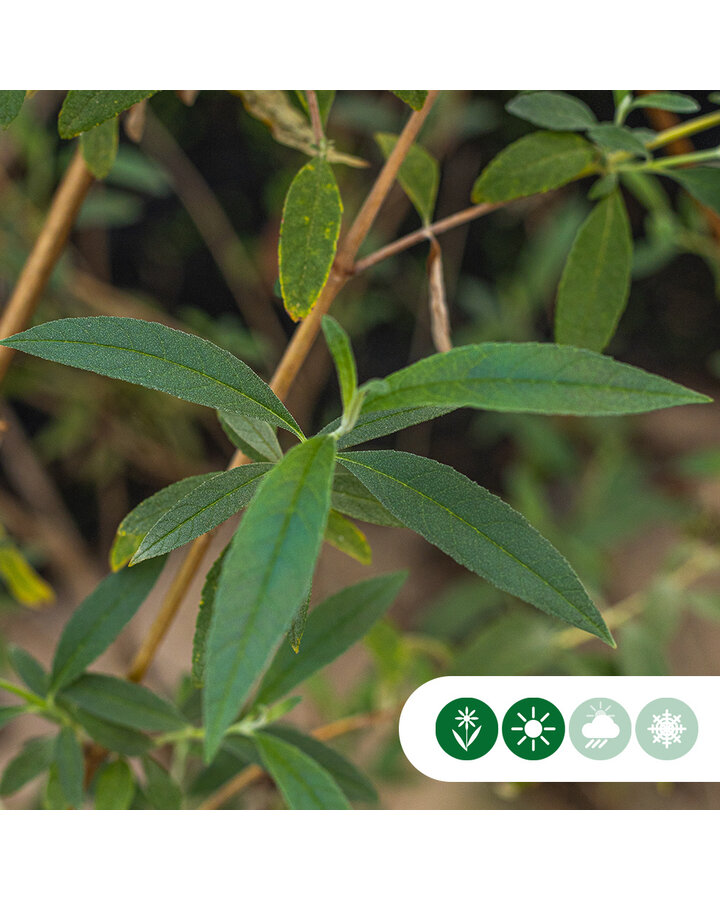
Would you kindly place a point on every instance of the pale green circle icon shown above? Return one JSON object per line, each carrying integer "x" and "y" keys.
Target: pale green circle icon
{"x": 600, "y": 728}
{"x": 666, "y": 728}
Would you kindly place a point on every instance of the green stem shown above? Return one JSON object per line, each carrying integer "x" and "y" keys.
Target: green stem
{"x": 21, "y": 692}
{"x": 672, "y": 162}
{"x": 685, "y": 129}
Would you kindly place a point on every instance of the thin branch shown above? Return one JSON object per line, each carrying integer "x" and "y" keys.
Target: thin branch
{"x": 45, "y": 253}
{"x": 315, "y": 118}
{"x": 293, "y": 358}
{"x": 425, "y": 233}
{"x": 254, "y": 773}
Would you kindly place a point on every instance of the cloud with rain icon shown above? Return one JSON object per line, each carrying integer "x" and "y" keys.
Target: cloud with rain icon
{"x": 601, "y": 729}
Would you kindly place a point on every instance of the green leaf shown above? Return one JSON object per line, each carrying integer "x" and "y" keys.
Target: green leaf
{"x": 161, "y": 790}
{"x": 419, "y": 175}
{"x": 30, "y": 670}
{"x": 517, "y": 643}
{"x": 536, "y": 163}
{"x": 371, "y": 425}
{"x": 155, "y": 356}
{"x": 595, "y": 283}
{"x": 552, "y": 109}
{"x": 265, "y": 577}
{"x": 702, "y": 182}
{"x": 83, "y": 110}
{"x": 21, "y": 580}
{"x": 479, "y": 531}
{"x": 256, "y": 439}
{"x": 10, "y": 105}
{"x": 603, "y": 186}
{"x": 139, "y": 521}
{"x": 115, "y": 737}
{"x": 679, "y": 103}
{"x": 529, "y": 377}
{"x": 297, "y": 626}
{"x": 612, "y": 138}
{"x": 10, "y": 712}
{"x": 332, "y": 628}
{"x": 123, "y": 703}
{"x": 339, "y": 345}
{"x": 303, "y": 783}
{"x": 115, "y": 786}
{"x": 100, "y": 618}
{"x": 351, "y": 497}
{"x": 351, "y": 781}
{"x": 53, "y": 794}
{"x": 308, "y": 236}
{"x": 202, "y": 509}
{"x": 100, "y": 147}
{"x": 34, "y": 759}
{"x": 347, "y": 537}
{"x": 70, "y": 766}
{"x": 204, "y": 617}
{"x": 414, "y": 99}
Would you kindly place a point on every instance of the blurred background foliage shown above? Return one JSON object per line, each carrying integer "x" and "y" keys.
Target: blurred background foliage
{"x": 184, "y": 230}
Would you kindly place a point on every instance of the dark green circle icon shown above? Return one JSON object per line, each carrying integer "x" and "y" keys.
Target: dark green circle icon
{"x": 533, "y": 728}
{"x": 466, "y": 728}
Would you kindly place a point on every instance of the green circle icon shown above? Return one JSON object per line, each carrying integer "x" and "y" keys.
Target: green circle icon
{"x": 600, "y": 728}
{"x": 666, "y": 728}
{"x": 533, "y": 728}
{"x": 466, "y": 728}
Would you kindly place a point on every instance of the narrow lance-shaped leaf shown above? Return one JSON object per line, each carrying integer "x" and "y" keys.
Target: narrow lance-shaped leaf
{"x": 351, "y": 781}
{"x": 414, "y": 99}
{"x": 536, "y": 163}
{"x": 162, "y": 791}
{"x": 100, "y": 147}
{"x": 139, "y": 521}
{"x": 83, "y": 110}
{"x": 117, "y": 738}
{"x": 34, "y": 759}
{"x": 371, "y": 425}
{"x": 339, "y": 345}
{"x": 595, "y": 283}
{"x": 331, "y": 629}
{"x": 256, "y": 439}
{"x": 347, "y": 537}
{"x": 155, "y": 356}
{"x": 100, "y": 618}
{"x": 303, "y": 783}
{"x": 70, "y": 766}
{"x": 29, "y": 669}
{"x": 23, "y": 582}
{"x": 529, "y": 377}
{"x": 308, "y": 236}
{"x": 123, "y": 703}
{"x": 115, "y": 786}
{"x": 204, "y": 617}
{"x": 419, "y": 175}
{"x": 703, "y": 182}
{"x": 265, "y": 577}
{"x": 351, "y": 497}
{"x": 10, "y": 105}
{"x": 202, "y": 509}
{"x": 679, "y": 103}
{"x": 479, "y": 531}
{"x": 555, "y": 110}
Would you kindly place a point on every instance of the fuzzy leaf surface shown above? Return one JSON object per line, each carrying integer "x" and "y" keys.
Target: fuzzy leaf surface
{"x": 156, "y": 356}
{"x": 265, "y": 577}
{"x": 478, "y": 530}
{"x": 595, "y": 283}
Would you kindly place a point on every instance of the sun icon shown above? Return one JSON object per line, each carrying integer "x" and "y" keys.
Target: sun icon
{"x": 533, "y": 728}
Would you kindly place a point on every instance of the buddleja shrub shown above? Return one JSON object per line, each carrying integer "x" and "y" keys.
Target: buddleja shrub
{"x": 255, "y": 642}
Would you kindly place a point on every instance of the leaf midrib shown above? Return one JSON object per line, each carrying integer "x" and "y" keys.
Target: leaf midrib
{"x": 476, "y": 529}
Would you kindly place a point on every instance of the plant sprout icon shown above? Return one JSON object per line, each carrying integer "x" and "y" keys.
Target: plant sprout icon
{"x": 533, "y": 729}
{"x": 602, "y": 728}
{"x": 468, "y": 719}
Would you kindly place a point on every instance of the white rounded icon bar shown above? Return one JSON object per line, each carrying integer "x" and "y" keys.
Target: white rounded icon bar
{"x": 701, "y": 761}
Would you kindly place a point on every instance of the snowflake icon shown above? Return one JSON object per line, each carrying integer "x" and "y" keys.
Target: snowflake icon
{"x": 667, "y": 729}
